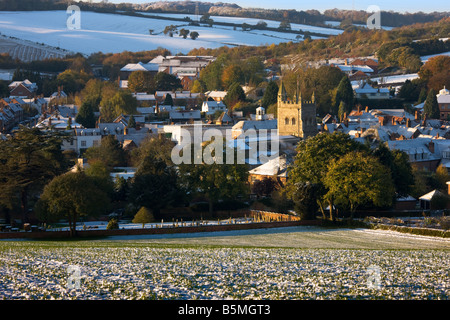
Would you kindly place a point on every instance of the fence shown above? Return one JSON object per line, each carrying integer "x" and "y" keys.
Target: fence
{"x": 258, "y": 220}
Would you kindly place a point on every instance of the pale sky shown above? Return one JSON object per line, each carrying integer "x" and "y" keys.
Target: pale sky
{"x": 321, "y": 5}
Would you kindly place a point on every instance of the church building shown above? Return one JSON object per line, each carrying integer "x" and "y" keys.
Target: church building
{"x": 296, "y": 117}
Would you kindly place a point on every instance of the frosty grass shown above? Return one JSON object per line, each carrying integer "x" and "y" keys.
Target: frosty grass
{"x": 40, "y": 271}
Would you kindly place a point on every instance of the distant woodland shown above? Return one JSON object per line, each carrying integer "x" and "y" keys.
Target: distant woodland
{"x": 313, "y": 17}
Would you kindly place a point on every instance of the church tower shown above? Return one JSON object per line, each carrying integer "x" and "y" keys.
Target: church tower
{"x": 296, "y": 117}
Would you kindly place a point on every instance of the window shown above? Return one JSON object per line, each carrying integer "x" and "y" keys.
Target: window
{"x": 286, "y": 121}
{"x": 293, "y": 121}
{"x": 83, "y": 143}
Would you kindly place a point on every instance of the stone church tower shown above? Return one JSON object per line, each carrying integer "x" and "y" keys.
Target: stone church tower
{"x": 296, "y": 117}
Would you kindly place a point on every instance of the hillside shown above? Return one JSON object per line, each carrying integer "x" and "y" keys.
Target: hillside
{"x": 113, "y": 33}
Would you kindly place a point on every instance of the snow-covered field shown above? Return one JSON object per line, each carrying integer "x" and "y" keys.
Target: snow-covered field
{"x": 35, "y": 270}
{"x": 425, "y": 58}
{"x": 116, "y": 33}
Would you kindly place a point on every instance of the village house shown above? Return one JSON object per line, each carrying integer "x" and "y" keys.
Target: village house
{"x": 22, "y": 89}
{"x": 366, "y": 91}
{"x": 125, "y": 72}
{"x": 181, "y": 66}
{"x": 275, "y": 169}
{"x": 211, "y": 107}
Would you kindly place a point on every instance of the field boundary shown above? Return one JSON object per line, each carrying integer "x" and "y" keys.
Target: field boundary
{"x": 150, "y": 231}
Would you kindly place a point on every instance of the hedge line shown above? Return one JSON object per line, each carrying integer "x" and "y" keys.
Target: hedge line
{"x": 417, "y": 231}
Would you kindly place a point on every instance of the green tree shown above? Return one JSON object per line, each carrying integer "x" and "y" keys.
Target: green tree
{"x": 71, "y": 196}
{"x": 168, "y": 100}
{"x": 131, "y": 122}
{"x": 158, "y": 147}
{"x": 398, "y": 163}
{"x": 345, "y": 94}
{"x": 85, "y": 115}
{"x": 155, "y": 185}
{"x": 305, "y": 196}
{"x": 28, "y": 160}
{"x": 167, "y": 82}
{"x": 141, "y": 81}
{"x": 216, "y": 181}
{"x": 357, "y": 179}
{"x": 234, "y": 95}
{"x": 312, "y": 159}
{"x": 431, "y": 106}
{"x": 270, "y": 94}
{"x": 194, "y": 35}
{"x": 144, "y": 215}
{"x": 198, "y": 87}
{"x": 184, "y": 33}
{"x": 109, "y": 152}
{"x": 122, "y": 102}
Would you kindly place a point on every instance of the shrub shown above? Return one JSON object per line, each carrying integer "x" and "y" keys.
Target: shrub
{"x": 144, "y": 215}
{"x": 113, "y": 224}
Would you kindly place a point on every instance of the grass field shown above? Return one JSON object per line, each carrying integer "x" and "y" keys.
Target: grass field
{"x": 289, "y": 263}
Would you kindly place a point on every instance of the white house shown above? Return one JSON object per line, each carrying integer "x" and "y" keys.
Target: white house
{"x": 210, "y": 107}
{"x": 366, "y": 91}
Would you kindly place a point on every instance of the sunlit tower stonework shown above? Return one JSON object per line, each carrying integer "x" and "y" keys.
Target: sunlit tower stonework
{"x": 296, "y": 117}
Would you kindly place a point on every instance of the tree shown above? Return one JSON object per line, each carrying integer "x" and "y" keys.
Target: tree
{"x": 144, "y": 215}
{"x": 28, "y": 160}
{"x": 232, "y": 74}
{"x": 270, "y": 94}
{"x": 234, "y": 95}
{"x": 194, "y": 35}
{"x": 141, "y": 81}
{"x": 109, "y": 152}
{"x": 184, "y": 33}
{"x": 284, "y": 25}
{"x": 85, "y": 115}
{"x": 398, "y": 163}
{"x": 431, "y": 106}
{"x": 312, "y": 159}
{"x": 122, "y": 102}
{"x": 357, "y": 179}
{"x": 442, "y": 176}
{"x": 168, "y": 101}
{"x": 167, "y": 82}
{"x": 155, "y": 185}
{"x": 158, "y": 147}
{"x": 198, "y": 87}
{"x": 216, "y": 181}
{"x": 71, "y": 196}
{"x": 436, "y": 72}
{"x": 345, "y": 94}
{"x": 131, "y": 122}
{"x": 264, "y": 187}
{"x": 305, "y": 197}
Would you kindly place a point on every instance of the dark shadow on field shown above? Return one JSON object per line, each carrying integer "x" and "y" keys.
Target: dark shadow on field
{"x": 247, "y": 232}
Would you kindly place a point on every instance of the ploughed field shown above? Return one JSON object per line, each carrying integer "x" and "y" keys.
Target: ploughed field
{"x": 230, "y": 266}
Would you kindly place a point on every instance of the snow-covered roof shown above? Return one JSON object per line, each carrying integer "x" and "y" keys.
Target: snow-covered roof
{"x": 140, "y": 67}
{"x": 274, "y": 167}
{"x": 430, "y": 195}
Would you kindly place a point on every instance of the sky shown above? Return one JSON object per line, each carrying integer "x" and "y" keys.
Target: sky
{"x": 321, "y": 5}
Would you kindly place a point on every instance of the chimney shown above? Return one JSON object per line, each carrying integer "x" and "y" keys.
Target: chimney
{"x": 393, "y": 121}
{"x": 367, "y": 109}
{"x": 416, "y": 115}
{"x": 408, "y": 123}
{"x": 431, "y": 146}
{"x": 359, "y": 108}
